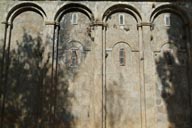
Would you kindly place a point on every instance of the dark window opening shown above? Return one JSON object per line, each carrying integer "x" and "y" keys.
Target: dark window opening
{"x": 167, "y": 20}
{"x": 74, "y": 58}
{"x": 121, "y": 19}
{"x": 74, "y": 18}
{"x": 122, "y": 57}
{"x": 66, "y": 56}
{"x": 168, "y": 58}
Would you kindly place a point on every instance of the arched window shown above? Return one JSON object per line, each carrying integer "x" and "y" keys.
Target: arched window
{"x": 73, "y": 54}
{"x": 122, "y": 57}
{"x": 167, "y": 20}
{"x": 121, "y": 19}
{"x": 74, "y": 58}
{"x": 74, "y": 18}
{"x": 168, "y": 57}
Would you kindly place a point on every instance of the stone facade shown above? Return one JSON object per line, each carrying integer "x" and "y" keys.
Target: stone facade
{"x": 75, "y": 64}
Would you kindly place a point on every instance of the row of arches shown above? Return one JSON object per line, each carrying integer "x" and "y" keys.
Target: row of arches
{"x": 59, "y": 35}
{"x": 74, "y": 7}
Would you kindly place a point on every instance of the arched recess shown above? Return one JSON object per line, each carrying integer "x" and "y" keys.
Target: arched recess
{"x": 171, "y": 45}
{"x": 22, "y": 7}
{"x": 122, "y": 60}
{"x": 74, "y": 49}
{"x": 127, "y": 30}
{"x": 73, "y": 7}
{"x": 122, "y": 80}
{"x": 23, "y": 53}
{"x": 121, "y": 42}
{"x": 12, "y": 14}
{"x": 122, "y": 8}
{"x": 72, "y": 45}
{"x": 169, "y": 8}
{"x": 115, "y": 54}
{"x": 177, "y": 11}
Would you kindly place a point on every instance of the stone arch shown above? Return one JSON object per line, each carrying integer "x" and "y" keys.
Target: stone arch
{"x": 168, "y": 43}
{"x": 122, "y": 42}
{"x": 73, "y": 7}
{"x": 177, "y": 11}
{"x": 71, "y": 42}
{"x": 168, "y": 46}
{"x": 171, "y": 9}
{"x": 75, "y": 43}
{"x": 116, "y": 51}
{"x": 174, "y": 60}
{"x": 122, "y": 8}
{"x": 22, "y": 7}
{"x": 120, "y": 64}
{"x": 15, "y": 43}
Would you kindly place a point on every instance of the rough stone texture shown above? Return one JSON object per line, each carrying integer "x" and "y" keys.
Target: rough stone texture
{"x": 55, "y": 73}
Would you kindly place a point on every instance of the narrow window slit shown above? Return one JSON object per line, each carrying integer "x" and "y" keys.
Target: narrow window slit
{"x": 122, "y": 57}
{"x": 74, "y": 58}
{"x": 168, "y": 58}
{"x": 74, "y": 18}
{"x": 121, "y": 19}
{"x": 167, "y": 20}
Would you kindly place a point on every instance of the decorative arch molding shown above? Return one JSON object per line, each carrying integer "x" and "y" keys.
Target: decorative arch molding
{"x": 22, "y": 7}
{"x": 170, "y": 8}
{"x": 178, "y": 11}
{"x": 122, "y": 42}
{"x": 73, "y": 43}
{"x": 168, "y": 43}
{"x": 73, "y": 7}
{"x": 165, "y": 42}
{"x": 122, "y": 8}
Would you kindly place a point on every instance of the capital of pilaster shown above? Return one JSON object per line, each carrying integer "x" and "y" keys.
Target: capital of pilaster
{"x": 7, "y": 23}
{"x": 51, "y": 23}
{"x": 98, "y": 23}
{"x": 151, "y": 25}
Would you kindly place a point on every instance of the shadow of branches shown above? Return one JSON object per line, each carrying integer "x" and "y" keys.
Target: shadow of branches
{"x": 29, "y": 94}
{"x": 173, "y": 72}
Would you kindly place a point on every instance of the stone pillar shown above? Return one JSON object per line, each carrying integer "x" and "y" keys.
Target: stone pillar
{"x": 149, "y": 76}
{"x": 97, "y": 61}
{"x": 105, "y": 54}
{"x": 142, "y": 85}
{"x": 50, "y": 36}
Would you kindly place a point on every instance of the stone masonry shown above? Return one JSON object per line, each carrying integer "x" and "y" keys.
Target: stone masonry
{"x": 95, "y": 64}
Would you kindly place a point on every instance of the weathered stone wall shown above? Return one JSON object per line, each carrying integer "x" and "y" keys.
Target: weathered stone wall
{"x": 95, "y": 71}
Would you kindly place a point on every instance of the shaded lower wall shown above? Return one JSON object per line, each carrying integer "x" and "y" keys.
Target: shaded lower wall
{"x": 26, "y": 78}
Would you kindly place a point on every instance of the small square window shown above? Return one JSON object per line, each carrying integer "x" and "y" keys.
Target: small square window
{"x": 167, "y": 21}
{"x": 74, "y": 18}
{"x": 121, "y": 19}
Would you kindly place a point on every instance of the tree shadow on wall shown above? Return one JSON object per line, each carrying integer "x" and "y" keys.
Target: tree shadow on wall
{"x": 173, "y": 84}
{"x": 30, "y": 95}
